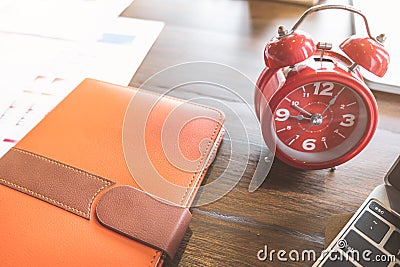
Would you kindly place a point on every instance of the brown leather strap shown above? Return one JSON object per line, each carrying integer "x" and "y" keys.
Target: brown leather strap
{"x": 64, "y": 186}
{"x": 142, "y": 217}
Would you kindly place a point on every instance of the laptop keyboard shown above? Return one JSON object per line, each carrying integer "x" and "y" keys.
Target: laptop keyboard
{"x": 372, "y": 240}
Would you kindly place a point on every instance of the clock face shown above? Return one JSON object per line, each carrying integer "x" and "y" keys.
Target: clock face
{"x": 320, "y": 121}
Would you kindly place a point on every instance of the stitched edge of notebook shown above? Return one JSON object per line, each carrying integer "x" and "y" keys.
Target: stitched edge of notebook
{"x": 203, "y": 157}
{"x": 217, "y": 143}
{"x": 85, "y": 214}
{"x": 40, "y": 196}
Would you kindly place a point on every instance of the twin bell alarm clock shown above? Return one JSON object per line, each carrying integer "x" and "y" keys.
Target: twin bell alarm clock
{"x": 312, "y": 102}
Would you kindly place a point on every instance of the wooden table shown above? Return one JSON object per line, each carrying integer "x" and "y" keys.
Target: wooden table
{"x": 290, "y": 209}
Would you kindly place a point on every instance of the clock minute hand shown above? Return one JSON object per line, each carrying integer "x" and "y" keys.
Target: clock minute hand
{"x": 333, "y": 100}
{"x": 302, "y": 110}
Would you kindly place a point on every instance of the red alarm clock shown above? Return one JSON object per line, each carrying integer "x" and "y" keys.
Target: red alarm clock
{"x": 312, "y": 101}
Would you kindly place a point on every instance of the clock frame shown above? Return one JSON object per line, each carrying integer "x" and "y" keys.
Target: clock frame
{"x": 295, "y": 62}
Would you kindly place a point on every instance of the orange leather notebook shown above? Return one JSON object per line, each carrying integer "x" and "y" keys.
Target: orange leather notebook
{"x": 68, "y": 191}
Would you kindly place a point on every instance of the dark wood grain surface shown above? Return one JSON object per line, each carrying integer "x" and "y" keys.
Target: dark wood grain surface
{"x": 290, "y": 209}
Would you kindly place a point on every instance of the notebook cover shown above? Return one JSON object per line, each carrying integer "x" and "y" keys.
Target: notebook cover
{"x": 79, "y": 144}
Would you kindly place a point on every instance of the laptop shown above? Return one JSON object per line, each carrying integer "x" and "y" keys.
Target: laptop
{"x": 382, "y": 18}
{"x": 372, "y": 235}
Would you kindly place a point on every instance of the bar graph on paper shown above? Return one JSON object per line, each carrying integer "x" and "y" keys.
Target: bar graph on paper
{"x": 37, "y": 72}
{"x": 22, "y": 110}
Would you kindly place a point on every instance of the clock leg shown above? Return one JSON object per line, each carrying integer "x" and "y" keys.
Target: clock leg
{"x": 333, "y": 169}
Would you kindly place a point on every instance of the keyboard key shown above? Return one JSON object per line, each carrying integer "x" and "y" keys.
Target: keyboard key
{"x": 384, "y": 213}
{"x": 393, "y": 244}
{"x": 363, "y": 251}
{"x": 373, "y": 227}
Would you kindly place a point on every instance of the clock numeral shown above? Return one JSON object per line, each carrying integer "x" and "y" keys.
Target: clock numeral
{"x": 306, "y": 94}
{"x": 295, "y": 103}
{"x": 282, "y": 114}
{"x": 348, "y": 120}
{"x": 342, "y": 106}
{"x": 309, "y": 144}
{"x": 327, "y": 88}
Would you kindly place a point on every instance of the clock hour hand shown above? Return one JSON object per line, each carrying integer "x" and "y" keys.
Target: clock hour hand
{"x": 301, "y": 110}
{"x": 333, "y": 100}
{"x": 299, "y": 117}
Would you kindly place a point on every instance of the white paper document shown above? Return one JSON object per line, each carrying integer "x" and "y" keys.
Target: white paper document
{"x": 37, "y": 72}
{"x": 63, "y": 19}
